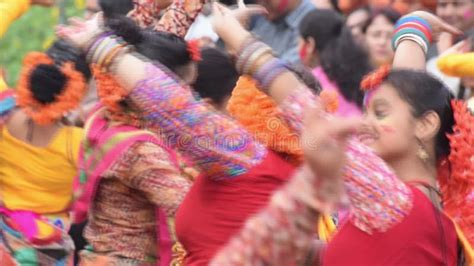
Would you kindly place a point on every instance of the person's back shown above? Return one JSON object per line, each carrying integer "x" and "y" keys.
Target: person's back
{"x": 38, "y": 155}
{"x": 136, "y": 179}
{"x": 38, "y": 165}
{"x": 214, "y": 210}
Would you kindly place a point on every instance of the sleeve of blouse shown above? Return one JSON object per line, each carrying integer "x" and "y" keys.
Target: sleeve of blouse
{"x": 145, "y": 13}
{"x": 378, "y": 198}
{"x": 214, "y": 142}
{"x": 179, "y": 16}
{"x": 154, "y": 173}
{"x": 280, "y": 234}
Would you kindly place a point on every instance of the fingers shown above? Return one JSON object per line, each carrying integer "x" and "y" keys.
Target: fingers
{"x": 313, "y": 115}
{"x": 221, "y": 8}
{"x": 241, "y": 4}
{"x": 76, "y": 22}
{"x": 450, "y": 29}
{"x": 343, "y": 128}
{"x": 459, "y": 48}
{"x": 255, "y": 10}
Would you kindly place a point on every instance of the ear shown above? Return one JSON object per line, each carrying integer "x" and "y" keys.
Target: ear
{"x": 310, "y": 45}
{"x": 427, "y": 126}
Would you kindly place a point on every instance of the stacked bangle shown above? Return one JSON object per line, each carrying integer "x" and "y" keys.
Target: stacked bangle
{"x": 256, "y": 59}
{"x": 105, "y": 49}
{"x": 270, "y": 71}
{"x": 414, "y": 29}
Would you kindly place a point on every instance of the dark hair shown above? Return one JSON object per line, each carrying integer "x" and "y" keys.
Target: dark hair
{"x": 47, "y": 81}
{"x": 342, "y": 59}
{"x": 217, "y": 75}
{"x": 389, "y": 13}
{"x": 115, "y": 7}
{"x": 425, "y": 93}
{"x": 166, "y": 48}
{"x": 305, "y": 76}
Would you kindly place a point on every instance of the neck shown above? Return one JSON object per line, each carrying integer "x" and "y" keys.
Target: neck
{"x": 410, "y": 168}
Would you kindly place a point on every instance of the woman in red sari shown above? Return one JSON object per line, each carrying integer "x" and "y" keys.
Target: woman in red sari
{"x": 408, "y": 117}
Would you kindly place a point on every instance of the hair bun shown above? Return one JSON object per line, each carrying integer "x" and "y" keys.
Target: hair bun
{"x": 46, "y": 82}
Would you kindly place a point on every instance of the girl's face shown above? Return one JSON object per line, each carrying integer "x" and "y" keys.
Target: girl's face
{"x": 306, "y": 49}
{"x": 378, "y": 40}
{"x": 355, "y": 22}
{"x": 389, "y": 126}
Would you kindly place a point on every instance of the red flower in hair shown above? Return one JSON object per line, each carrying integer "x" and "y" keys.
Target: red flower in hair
{"x": 375, "y": 78}
{"x": 194, "y": 50}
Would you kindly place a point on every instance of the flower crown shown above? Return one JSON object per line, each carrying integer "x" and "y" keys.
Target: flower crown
{"x": 375, "y": 78}
{"x": 69, "y": 99}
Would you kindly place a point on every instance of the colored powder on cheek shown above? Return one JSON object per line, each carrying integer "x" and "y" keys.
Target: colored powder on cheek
{"x": 468, "y": 14}
{"x": 283, "y": 6}
{"x": 388, "y": 129}
{"x": 303, "y": 52}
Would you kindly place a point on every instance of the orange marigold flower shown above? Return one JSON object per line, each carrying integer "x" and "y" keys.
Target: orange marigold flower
{"x": 375, "y": 78}
{"x": 69, "y": 99}
{"x": 260, "y": 115}
{"x": 329, "y": 100}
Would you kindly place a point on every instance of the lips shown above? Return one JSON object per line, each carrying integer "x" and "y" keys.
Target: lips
{"x": 367, "y": 138}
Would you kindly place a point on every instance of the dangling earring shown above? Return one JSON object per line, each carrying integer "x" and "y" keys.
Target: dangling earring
{"x": 422, "y": 153}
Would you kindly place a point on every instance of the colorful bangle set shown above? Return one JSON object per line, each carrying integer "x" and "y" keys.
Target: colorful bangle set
{"x": 105, "y": 49}
{"x": 255, "y": 58}
{"x": 415, "y": 29}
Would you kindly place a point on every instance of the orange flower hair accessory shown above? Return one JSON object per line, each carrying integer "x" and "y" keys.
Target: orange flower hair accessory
{"x": 375, "y": 78}
{"x": 329, "y": 100}
{"x": 111, "y": 94}
{"x": 194, "y": 50}
{"x": 67, "y": 100}
{"x": 109, "y": 90}
{"x": 372, "y": 81}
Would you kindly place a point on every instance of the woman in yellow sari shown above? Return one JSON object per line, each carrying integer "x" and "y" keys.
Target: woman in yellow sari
{"x": 38, "y": 155}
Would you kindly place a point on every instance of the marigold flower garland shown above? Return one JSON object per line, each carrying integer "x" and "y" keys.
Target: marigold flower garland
{"x": 70, "y": 98}
{"x": 260, "y": 115}
{"x": 111, "y": 94}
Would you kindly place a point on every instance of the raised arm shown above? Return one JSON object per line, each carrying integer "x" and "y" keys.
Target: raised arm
{"x": 283, "y": 232}
{"x": 367, "y": 178}
{"x": 216, "y": 144}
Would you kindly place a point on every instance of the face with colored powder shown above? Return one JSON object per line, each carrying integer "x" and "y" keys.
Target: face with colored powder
{"x": 275, "y": 8}
{"x": 458, "y": 13}
{"x": 389, "y": 126}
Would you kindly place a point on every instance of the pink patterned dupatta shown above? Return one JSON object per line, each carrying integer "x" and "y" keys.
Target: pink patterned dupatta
{"x": 101, "y": 148}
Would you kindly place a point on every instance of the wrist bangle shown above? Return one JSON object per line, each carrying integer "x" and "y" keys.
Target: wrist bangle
{"x": 254, "y": 58}
{"x": 95, "y": 43}
{"x": 247, "y": 52}
{"x": 260, "y": 62}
